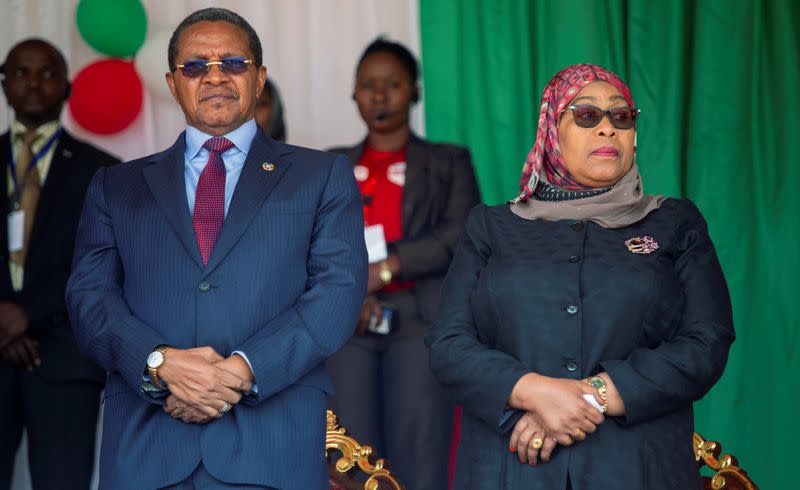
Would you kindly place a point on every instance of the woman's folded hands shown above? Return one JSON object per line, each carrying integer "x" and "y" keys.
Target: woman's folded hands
{"x": 556, "y": 413}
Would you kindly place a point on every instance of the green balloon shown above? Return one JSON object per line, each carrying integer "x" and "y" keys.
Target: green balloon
{"x": 112, "y": 27}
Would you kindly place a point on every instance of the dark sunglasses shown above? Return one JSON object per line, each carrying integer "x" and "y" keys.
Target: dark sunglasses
{"x": 589, "y": 116}
{"x": 196, "y": 68}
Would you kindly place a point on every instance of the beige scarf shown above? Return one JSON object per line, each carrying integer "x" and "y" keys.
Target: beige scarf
{"x": 623, "y": 205}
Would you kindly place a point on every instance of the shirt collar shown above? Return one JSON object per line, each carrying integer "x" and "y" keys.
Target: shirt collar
{"x": 46, "y": 130}
{"x": 241, "y": 137}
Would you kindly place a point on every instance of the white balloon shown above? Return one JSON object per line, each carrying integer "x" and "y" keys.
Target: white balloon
{"x": 151, "y": 63}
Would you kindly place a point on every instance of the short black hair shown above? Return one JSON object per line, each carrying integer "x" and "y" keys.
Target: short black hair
{"x": 41, "y": 42}
{"x": 214, "y": 14}
{"x": 403, "y": 55}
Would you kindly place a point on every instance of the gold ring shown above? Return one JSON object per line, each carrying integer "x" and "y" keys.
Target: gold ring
{"x": 579, "y": 435}
{"x": 536, "y": 442}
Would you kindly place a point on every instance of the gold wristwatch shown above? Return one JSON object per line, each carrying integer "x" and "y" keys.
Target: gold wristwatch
{"x": 599, "y": 383}
{"x": 154, "y": 361}
{"x": 385, "y": 274}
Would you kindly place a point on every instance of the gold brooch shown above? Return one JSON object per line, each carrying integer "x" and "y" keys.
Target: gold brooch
{"x": 269, "y": 167}
{"x": 642, "y": 244}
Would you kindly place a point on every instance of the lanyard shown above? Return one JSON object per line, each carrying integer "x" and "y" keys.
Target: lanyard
{"x": 34, "y": 161}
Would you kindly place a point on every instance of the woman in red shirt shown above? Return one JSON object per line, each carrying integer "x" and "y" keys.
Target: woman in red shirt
{"x": 421, "y": 194}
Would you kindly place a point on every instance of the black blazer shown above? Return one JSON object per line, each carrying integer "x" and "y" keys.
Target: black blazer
{"x": 567, "y": 299}
{"x": 440, "y": 190}
{"x": 49, "y": 259}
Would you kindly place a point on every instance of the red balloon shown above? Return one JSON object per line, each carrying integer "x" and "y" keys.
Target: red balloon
{"x": 106, "y": 96}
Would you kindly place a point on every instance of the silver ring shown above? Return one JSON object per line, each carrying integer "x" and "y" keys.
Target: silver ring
{"x": 226, "y": 408}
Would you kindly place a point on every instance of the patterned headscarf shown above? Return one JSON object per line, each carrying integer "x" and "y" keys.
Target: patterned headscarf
{"x": 557, "y": 95}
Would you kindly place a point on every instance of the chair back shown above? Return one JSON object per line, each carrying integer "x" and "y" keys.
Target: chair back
{"x": 354, "y": 455}
{"x": 728, "y": 476}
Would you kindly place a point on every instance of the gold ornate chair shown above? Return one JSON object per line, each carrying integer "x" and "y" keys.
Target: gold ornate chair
{"x": 354, "y": 455}
{"x": 728, "y": 476}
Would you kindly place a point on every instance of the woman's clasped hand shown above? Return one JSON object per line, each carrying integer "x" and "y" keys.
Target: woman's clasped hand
{"x": 556, "y": 412}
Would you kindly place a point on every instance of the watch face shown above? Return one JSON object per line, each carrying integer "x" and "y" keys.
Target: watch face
{"x": 155, "y": 359}
{"x": 597, "y": 382}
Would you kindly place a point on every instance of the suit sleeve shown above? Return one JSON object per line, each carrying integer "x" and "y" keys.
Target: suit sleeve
{"x": 431, "y": 252}
{"x": 680, "y": 370}
{"x": 105, "y": 329}
{"x": 479, "y": 378}
{"x": 323, "y": 318}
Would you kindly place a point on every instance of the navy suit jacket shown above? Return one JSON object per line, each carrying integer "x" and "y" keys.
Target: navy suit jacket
{"x": 284, "y": 285}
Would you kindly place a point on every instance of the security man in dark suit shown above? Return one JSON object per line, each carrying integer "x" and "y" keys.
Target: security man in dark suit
{"x": 46, "y": 386}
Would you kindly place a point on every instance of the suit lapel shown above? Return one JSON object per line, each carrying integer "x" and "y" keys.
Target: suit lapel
{"x": 55, "y": 184}
{"x": 164, "y": 177}
{"x": 354, "y": 153}
{"x": 416, "y": 187}
{"x": 5, "y": 155}
{"x": 254, "y": 185}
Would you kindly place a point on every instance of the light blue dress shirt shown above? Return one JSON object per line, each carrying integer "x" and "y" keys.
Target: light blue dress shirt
{"x": 195, "y": 159}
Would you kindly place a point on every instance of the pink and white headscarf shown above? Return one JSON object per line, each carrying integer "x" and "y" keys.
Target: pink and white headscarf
{"x": 557, "y": 95}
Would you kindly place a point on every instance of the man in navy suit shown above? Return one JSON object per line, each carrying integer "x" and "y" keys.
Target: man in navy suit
{"x": 212, "y": 280}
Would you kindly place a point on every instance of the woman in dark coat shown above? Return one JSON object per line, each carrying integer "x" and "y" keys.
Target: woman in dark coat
{"x": 581, "y": 321}
{"x": 421, "y": 194}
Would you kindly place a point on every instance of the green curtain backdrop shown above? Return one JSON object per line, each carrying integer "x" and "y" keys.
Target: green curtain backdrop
{"x": 719, "y": 87}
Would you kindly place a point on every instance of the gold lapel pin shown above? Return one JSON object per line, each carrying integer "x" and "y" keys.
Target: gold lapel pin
{"x": 269, "y": 167}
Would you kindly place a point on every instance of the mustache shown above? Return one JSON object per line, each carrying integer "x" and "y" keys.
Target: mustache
{"x": 229, "y": 94}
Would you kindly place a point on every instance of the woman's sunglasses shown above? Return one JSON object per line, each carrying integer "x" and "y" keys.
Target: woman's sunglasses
{"x": 589, "y": 116}
{"x": 197, "y": 68}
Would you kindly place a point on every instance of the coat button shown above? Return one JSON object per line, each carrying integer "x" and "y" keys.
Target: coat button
{"x": 204, "y": 286}
{"x": 572, "y": 365}
{"x": 572, "y": 309}
{"x": 574, "y": 259}
{"x": 576, "y": 226}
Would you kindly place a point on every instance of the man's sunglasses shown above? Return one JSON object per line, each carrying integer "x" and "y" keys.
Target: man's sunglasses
{"x": 589, "y": 116}
{"x": 197, "y": 68}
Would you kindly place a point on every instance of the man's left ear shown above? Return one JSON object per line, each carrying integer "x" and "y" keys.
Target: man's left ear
{"x": 262, "y": 80}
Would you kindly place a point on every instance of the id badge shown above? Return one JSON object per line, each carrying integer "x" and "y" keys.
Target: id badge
{"x": 16, "y": 230}
{"x": 376, "y": 243}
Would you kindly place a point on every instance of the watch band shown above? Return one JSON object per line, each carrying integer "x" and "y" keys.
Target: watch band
{"x": 599, "y": 384}
{"x": 153, "y": 371}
